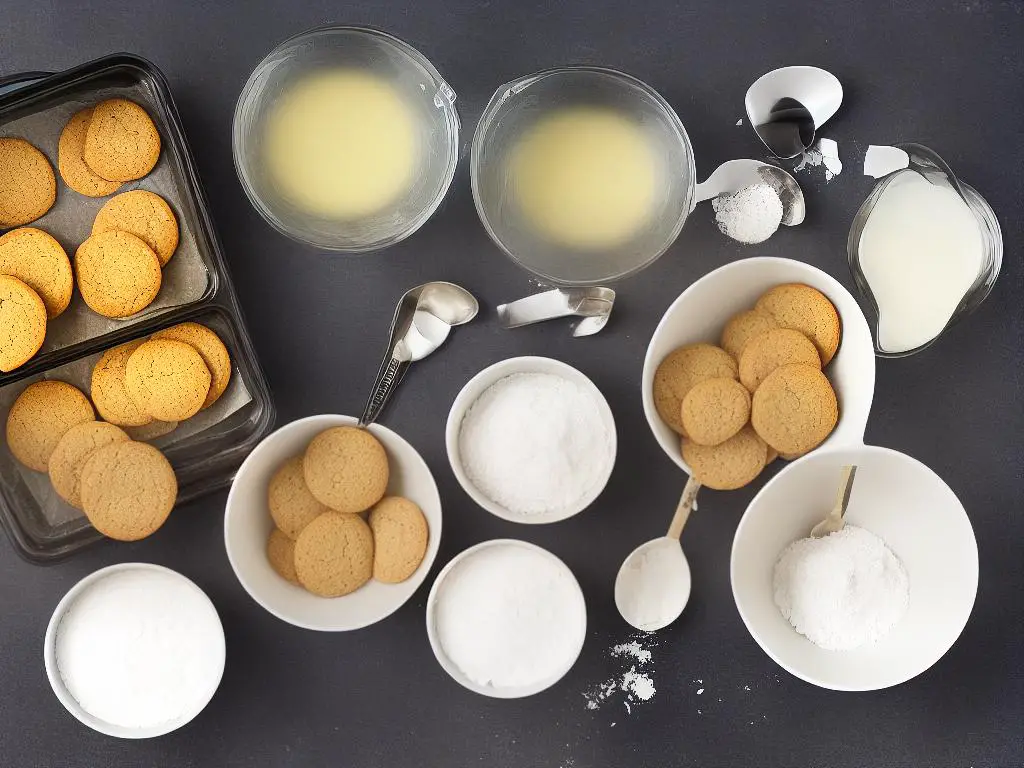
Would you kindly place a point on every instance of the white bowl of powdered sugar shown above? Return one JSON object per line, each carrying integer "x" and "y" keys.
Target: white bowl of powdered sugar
{"x": 531, "y": 440}
{"x": 873, "y": 605}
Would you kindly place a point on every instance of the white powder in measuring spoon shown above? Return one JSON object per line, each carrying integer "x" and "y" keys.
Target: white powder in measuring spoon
{"x": 140, "y": 648}
{"x": 535, "y": 443}
{"x": 750, "y": 215}
{"x": 509, "y": 616}
{"x": 842, "y": 591}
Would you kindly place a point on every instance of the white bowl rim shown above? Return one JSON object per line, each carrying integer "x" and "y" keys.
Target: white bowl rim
{"x": 64, "y": 695}
{"x": 651, "y": 413}
{"x": 428, "y": 560}
{"x": 449, "y": 666}
{"x": 918, "y": 669}
{"x": 508, "y": 367}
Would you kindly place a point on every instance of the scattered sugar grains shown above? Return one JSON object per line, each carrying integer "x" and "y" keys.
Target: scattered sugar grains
{"x": 843, "y": 591}
{"x": 634, "y": 685}
{"x": 824, "y": 154}
{"x": 750, "y": 215}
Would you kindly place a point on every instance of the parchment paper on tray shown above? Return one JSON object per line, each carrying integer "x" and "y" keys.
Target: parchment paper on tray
{"x": 79, "y": 373}
{"x": 185, "y": 278}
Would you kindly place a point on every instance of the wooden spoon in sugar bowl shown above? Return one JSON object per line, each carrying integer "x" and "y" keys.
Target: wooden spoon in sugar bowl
{"x": 833, "y": 522}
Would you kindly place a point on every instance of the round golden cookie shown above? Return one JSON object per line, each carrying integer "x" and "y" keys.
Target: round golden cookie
{"x": 68, "y": 458}
{"x": 109, "y": 394}
{"x": 40, "y": 417}
{"x": 789, "y": 456}
{"x": 167, "y": 379}
{"x": 334, "y": 554}
{"x": 808, "y": 310}
{"x": 145, "y": 215}
{"x": 71, "y": 159}
{"x": 728, "y": 465}
{"x": 128, "y": 490}
{"x": 794, "y": 409}
{"x": 400, "y": 535}
{"x": 743, "y": 327}
{"x": 151, "y": 431}
{"x": 291, "y": 504}
{"x": 121, "y": 143}
{"x": 40, "y": 262}
{"x": 714, "y": 410}
{"x": 281, "y": 554}
{"x": 118, "y": 274}
{"x": 210, "y": 348}
{"x": 680, "y": 370}
{"x": 772, "y": 455}
{"x": 346, "y": 468}
{"x": 22, "y": 323}
{"x": 783, "y": 346}
{"x": 28, "y": 188}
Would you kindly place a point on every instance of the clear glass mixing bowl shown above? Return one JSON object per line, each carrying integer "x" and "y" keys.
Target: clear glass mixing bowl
{"x": 517, "y": 106}
{"x": 384, "y": 56}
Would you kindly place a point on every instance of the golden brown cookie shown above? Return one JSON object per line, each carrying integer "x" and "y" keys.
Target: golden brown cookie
{"x": 346, "y": 468}
{"x": 680, "y": 370}
{"x": 400, "y": 536}
{"x": 808, "y": 310}
{"x": 145, "y": 215}
{"x": 789, "y": 456}
{"x": 334, "y": 554}
{"x": 151, "y": 431}
{"x": 28, "y": 188}
{"x": 71, "y": 159}
{"x": 167, "y": 379}
{"x": 794, "y": 409}
{"x": 210, "y": 348}
{"x": 128, "y": 490}
{"x": 40, "y": 262}
{"x": 68, "y": 458}
{"x": 22, "y": 323}
{"x": 118, "y": 274}
{"x": 121, "y": 143}
{"x": 783, "y": 346}
{"x": 714, "y": 410}
{"x": 291, "y": 504}
{"x": 40, "y": 417}
{"x": 109, "y": 394}
{"x": 772, "y": 456}
{"x": 728, "y": 465}
{"x": 281, "y": 554}
{"x": 743, "y": 327}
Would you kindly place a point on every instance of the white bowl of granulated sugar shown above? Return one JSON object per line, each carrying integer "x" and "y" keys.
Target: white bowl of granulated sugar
{"x": 531, "y": 440}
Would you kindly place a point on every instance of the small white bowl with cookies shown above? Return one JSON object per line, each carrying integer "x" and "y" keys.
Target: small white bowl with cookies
{"x": 763, "y": 357}
{"x": 331, "y": 526}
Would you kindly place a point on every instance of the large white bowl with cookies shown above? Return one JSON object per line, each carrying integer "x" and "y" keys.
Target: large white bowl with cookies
{"x": 702, "y": 311}
{"x": 248, "y": 529}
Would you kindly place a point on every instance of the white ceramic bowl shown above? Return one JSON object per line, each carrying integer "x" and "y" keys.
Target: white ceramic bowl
{"x": 217, "y": 652}
{"x": 477, "y": 386}
{"x": 900, "y": 500}
{"x": 450, "y": 667}
{"x": 247, "y": 524}
{"x": 702, "y": 310}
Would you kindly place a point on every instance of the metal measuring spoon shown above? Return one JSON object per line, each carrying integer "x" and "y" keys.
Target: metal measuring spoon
{"x": 833, "y": 521}
{"x": 423, "y": 319}
{"x": 734, "y": 175}
{"x": 633, "y": 587}
{"x": 787, "y": 106}
{"x": 594, "y": 305}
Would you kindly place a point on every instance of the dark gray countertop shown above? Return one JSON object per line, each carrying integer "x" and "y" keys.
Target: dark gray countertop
{"x": 951, "y": 77}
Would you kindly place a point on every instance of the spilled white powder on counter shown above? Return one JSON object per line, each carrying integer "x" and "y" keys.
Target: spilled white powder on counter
{"x": 634, "y": 685}
{"x": 824, "y": 154}
{"x": 751, "y": 215}
{"x": 535, "y": 443}
{"x": 843, "y": 591}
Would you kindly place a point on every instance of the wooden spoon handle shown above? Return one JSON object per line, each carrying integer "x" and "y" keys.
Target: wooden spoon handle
{"x": 686, "y": 501}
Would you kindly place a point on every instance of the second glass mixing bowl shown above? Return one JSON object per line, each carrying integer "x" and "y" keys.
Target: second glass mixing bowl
{"x": 515, "y": 108}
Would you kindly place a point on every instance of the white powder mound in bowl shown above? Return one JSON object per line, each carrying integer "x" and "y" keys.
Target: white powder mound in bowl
{"x": 750, "y": 215}
{"x": 535, "y": 443}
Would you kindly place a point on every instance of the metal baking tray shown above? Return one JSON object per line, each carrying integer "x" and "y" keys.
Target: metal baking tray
{"x": 206, "y": 455}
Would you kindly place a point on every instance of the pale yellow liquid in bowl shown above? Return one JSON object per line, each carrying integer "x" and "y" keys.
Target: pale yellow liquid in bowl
{"x": 341, "y": 144}
{"x": 585, "y": 177}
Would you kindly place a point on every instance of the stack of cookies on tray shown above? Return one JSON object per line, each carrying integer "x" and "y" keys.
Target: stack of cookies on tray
{"x": 134, "y": 235}
{"x": 335, "y": 527}
{"x": 761, "y": 394}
